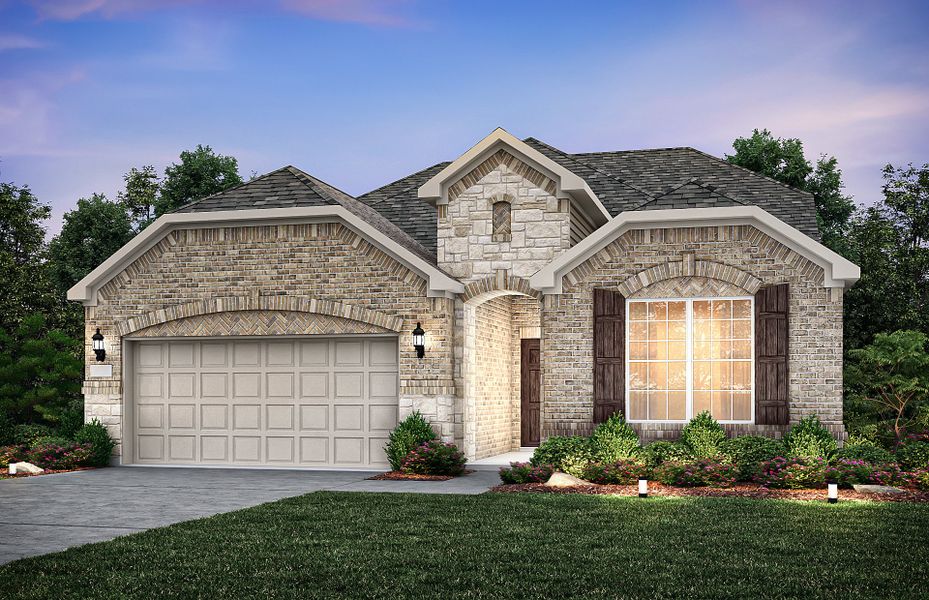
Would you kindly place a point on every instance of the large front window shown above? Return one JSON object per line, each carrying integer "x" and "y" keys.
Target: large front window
{"x": 688, "y": 356}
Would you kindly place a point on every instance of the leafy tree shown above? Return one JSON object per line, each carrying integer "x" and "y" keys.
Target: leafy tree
{"x": 200, "y": 173}
{"x": 90, "y": 234}
{"x": 140, "y": 195}
{"x": 890, "y": 242}
{"x": 40, "y": 373}
{"x": 892, "y": 376}
{"x": 783, "y": 160}
{"x": 22, "y": 249}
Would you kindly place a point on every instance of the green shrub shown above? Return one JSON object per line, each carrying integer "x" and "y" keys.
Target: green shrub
{"x": 410, "y": 433}
{"x": 59, "y": 458}
{"x": 6, "y": 430}
{"x": 919, "y": 479}
{"x": 868, "y": 452}
{"x": 809, "y": 439}
{"x": 663, "y": 451}
{"x": 614, "y": 440}
{"x": 10, "y": 454}
{"x": 98, "y": 438}
{"x": 27, "y": 433}
{"x": 51, "y": 440}
{"x": 847, "y": 472}
{"x": 434, "y": 458}
{"x": 702, "y": 472}
{"x": 913, "y": 455}
{"x": 623, "y": 472}
{"x": 749, "y": 451}
{"x": 703, "y": 435}
{"x": 519, "y": 472}
{"x": 70, "y": 419}
{"x": 567, "y": 454}
{"x": 793, "y": 473}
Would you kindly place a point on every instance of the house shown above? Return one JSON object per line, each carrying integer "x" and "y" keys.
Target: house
{"x": 271, "y": 324}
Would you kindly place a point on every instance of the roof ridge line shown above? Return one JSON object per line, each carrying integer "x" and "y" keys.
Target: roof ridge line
{"x": 747, "y": 170}
{"x": 228, "y": 189}
{"x": 406, "y": 177}
{"x": 593, "y": 168}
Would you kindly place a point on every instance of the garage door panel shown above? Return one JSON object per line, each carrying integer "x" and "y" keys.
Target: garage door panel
{"x": 348, "y": 450}
{"x": 280, "y": 416}
{"x": 181, "y": 385}
{"x": 181, "y": 416}
{"x": 246, "y": 354}
{"x": 214, "y": 448}
{"x": 280, "y": 449}
{"x": 301, "y": 402}
{"x": 246, "y": 385}
{"x": 280, "y": 385}
{"x": 181, "y": 354}
{"x": 214, "y": 416}
{"x": 213, "y": 354}
{"x": 246, "y": 416}
{"x": 314, "y": 417}
{"x": 349, "y": 385}
{"x": 151, "y": 447}
{"x": 150, "y": 385}
{"x": 314, "y": 385}
{"x": 382, "y": 417}
{"x": 213, "y": 385}
{"x": 182, "y": 448}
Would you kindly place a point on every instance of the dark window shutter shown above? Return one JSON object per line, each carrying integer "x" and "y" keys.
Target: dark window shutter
{"x": 609, "y": 354}
{"x": 771, "y": 376}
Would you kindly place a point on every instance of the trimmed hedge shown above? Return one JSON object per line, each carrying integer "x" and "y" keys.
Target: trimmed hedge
{"x": 410, "y": 433}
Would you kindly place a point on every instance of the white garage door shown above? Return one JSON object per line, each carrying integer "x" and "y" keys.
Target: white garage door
{"x": 326, "y": 402}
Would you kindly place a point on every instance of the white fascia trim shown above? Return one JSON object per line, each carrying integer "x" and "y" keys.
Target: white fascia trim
{"x": 837, "y": 271}
{"x": 570, "y": 183}
{"x": 85, "y": 291}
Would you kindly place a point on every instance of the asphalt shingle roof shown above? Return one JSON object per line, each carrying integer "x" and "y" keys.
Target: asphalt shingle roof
{"x": 625, "y": 180}
{"x": 290, "y": 187}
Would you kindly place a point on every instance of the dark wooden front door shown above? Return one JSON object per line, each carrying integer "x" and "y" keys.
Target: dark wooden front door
{"x": 530, "y": 382}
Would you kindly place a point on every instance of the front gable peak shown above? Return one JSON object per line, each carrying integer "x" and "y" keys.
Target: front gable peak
{"x": 567, "y": 184}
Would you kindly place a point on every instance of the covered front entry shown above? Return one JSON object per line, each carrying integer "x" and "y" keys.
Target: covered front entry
{"x": 285, "y": 401}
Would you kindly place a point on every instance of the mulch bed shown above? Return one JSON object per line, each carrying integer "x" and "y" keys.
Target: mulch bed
{"x": 736, "y": 491}
{"x": 398, "y": 476}
{"x": 6, "y": 472}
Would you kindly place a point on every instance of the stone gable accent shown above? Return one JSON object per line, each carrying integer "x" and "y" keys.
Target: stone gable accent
{"x": 703, "y": 261}
{"x": 540, "y": 222}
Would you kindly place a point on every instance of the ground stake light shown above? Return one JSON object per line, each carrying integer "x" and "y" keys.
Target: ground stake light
{"x": 99, "y": 349}
{"x": 643, "y": 488}
{"x": 419, "y": 341}
{"x": 833, "y": 493}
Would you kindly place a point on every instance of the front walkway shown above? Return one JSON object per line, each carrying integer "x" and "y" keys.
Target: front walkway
{"x": 493, "y": 463}
{"x": 49, "y": 513}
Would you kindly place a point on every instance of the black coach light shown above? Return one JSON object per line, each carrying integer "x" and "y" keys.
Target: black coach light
{"x": 99, "y": 350}
{"x": 419, "y": 340}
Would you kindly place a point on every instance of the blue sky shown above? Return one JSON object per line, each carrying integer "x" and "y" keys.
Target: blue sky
{"x": 362, "y": 92}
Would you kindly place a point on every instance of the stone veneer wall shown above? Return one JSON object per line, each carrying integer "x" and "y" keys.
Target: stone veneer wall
{"x": 721, "y": 259}
{"x": 493, "y": 350}
{"x": 540, "y": 222}
{"x": 268, "y": 267}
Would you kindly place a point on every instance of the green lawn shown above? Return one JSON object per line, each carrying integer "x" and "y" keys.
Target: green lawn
{"x": 506, "y": 545}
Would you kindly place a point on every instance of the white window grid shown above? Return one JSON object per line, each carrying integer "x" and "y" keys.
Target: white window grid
{"x": 689, "y": 360}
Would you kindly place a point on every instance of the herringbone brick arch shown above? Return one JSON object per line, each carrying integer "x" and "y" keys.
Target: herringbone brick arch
{"x": 258, "y": 323}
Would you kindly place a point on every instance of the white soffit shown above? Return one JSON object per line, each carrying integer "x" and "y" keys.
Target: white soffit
{"x": 837, "y": 271}
{"x": 573, "y": 186}
{"x": 85, "y": 291}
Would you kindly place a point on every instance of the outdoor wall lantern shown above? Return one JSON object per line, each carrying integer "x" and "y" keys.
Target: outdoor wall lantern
{"x": 99, "y": 350}
{"x": 419, "y": 340}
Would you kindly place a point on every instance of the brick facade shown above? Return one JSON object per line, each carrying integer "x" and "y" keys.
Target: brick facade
{"x": 271, "y": 280}
{"x": 707, "y": 261}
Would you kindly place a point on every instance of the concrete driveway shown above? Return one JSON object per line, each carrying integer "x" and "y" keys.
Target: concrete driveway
{"x": 52, "y": 512}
